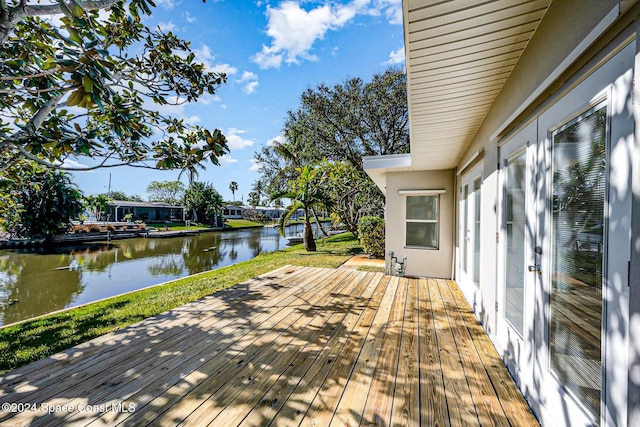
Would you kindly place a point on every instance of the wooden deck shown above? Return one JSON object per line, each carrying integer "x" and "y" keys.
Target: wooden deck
{"x": 296, "y": 346}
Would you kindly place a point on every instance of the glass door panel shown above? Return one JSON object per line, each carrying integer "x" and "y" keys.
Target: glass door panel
{"x": 577, "y": 230}
{"x": 465, "y": 229}
{"x": 515, "y": 227}
{"x": 477, "y": 187}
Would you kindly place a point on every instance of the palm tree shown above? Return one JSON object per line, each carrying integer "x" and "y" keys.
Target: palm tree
{"x": 233, "y": 187}
{"x": 304, "y": 193}
{"x": 98, "y": 205}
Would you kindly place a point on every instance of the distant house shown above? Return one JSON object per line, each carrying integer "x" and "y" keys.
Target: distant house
{"x": 145, "y": 211}
{"x": 240, "y": 212}
{"x": 233, "y": 211}
{"x": 270, "y": 212}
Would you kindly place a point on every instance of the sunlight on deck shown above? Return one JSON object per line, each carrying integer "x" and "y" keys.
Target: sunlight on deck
{"x": 296, "y": 346}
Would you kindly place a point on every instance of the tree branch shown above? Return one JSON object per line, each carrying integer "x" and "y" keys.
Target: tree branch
{"x": 54, "y": 9}
{"x": 9, "y": 17}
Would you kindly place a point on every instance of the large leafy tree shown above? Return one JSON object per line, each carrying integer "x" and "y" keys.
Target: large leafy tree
{"x": 171, "y": 192}
{"x": 203, "y": 199}
{"x": 342, "y": 124}
{"x": 92, "y": 87}
{"x": 38, "y": 202}
{"x": 353, "y": 195}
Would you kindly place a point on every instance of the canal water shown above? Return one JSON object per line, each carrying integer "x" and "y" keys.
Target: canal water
{"x": 36, "y": 282}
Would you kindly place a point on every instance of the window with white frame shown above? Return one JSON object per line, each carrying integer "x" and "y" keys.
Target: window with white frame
{"x": 422, "y": 213}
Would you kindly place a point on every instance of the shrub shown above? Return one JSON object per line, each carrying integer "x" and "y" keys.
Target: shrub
{"x": 110, "y": 227}
{"x": 371, "y": 232}
{"x": 79, "y": 229}
{"x": 93, "y": 228}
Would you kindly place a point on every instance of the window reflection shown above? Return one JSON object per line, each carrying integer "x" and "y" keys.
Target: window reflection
{"x": 579, "y": 179}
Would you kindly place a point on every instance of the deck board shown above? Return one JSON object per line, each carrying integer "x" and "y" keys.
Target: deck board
{"x": 296, "y": 346}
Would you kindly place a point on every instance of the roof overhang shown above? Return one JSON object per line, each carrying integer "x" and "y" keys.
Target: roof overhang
{"x": 459, "y": 55}
{"x": 378, "y": 166}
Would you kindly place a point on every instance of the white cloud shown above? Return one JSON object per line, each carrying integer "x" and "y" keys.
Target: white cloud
{"x": 235, "y": 139}
{"x": 396, "y": 57}
{"x": 207, "y": 58}
{"x": 207, "y": 99}
{"x": 391, "y": 9}
{"x": 294, "y": 30}
{"x": 227, "y": 160}
{"x": 190, "y": 19}
{"x": 224, "y": 68}
{"x": 250, "y": 81}
{"x": 192, "y": 120}
{"x": 167, "y": 26}
{"x": 71, "y": 163}
{"x": 271, "y": 141}
{"x": 167, "y": 4}
{"x": 250, "y": 87}
{"x": 255, "y": 166}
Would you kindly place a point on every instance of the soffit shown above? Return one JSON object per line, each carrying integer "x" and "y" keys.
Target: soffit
{"x": 459, "y": 55}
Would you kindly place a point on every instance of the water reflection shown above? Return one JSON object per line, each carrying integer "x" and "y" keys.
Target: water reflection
{"x": 35, "y": 282}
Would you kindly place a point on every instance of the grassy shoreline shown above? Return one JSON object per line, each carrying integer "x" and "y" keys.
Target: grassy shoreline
{"x": 36, "y": 339}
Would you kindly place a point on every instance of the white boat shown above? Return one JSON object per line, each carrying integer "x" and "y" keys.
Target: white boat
{"x": 293, "y": 240}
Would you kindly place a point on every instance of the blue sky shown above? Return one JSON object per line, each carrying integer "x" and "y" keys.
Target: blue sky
{"x": 271, "y": 51}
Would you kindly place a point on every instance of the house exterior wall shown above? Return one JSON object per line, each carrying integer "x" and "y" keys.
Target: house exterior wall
{"x": 516, "y": 106}
{"x": 575, "y": 41}
{"x": 437, "y": 262}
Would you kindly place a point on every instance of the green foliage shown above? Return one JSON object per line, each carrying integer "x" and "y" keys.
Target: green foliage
{"x": 344, "y": 122}
{"x": 353, "y": 194}
{"x": 203, "y": 198}
{"x": 305, "y": 192}
{"x": 106, "y": 64}
{"x": 121, "y": 195}
{"x": 98, "y": 205}
{"x": 37, "y": 202}
{"x": 371, "y": 230}
{"x": 171, "y": 192}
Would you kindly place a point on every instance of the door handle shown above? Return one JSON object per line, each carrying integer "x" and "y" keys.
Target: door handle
{"x": 537, "y": 268}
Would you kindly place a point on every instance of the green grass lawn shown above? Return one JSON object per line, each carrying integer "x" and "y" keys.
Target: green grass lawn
{"x": 237, "y": 223}
{"x": 36, "y": 339}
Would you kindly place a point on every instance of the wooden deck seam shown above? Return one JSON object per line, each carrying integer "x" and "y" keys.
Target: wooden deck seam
{"x": 364, "y": 316}
{"x": 295, "y": 346}
{"x": 308, "y": 282}
{"x": 9, "y": 379}
{"x": 305, "y": 335}
{"x": 333, "y": 353}
{"x": 518, "y": 414}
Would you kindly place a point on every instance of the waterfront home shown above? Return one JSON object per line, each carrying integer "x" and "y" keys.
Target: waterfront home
{"x": 233, "y": 211}
{"x": 524, "y": 143}
{"x": 145, "y": 211}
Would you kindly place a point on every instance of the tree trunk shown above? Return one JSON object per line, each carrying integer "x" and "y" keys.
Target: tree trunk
{"x": 307, "y": 236}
